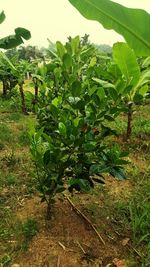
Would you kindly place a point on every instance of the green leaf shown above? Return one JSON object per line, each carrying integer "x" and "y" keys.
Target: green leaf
{"x": 113, "y": 93}
{"x": 2, "y": 17}
{"x": 144, "y": 78}
{"x": 131, "y": 23}
{"x": 76, "y": 89}
{"x": 5, "y": 58}
{"x": 76, "y": 121}
{"x": 109, "y": 118}
{"x": 126, "y": 60}
{"x": 143, "y": 90}
{"x": 24, "y": 33}
{"x": 67, "y": 61}
{"x": 75, "y": 43}
{"x": 146, "y": 62}
{"x": 118, "y": 173}
{"x": 97, "y": 169}
{"x": 62, "y": 128}
{"x": 104, "y": 84}
{"x": 101, "y": 93}
{"x": 12, "y": 41}
{"x": 60, "y": 49}
{"x": 93, "y": 62}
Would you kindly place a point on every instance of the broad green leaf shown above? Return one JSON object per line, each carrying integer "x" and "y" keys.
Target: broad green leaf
{"x": 76, "y": 89}
{"x": 144, "y": 78}
{"x": 113, "y": 93}
{"x": 5, "y": 58}
{"x": 2, "y": 17}
{"x": 131, "y": 23}
{"x": 60, "y": 49}
{"x": 67, "y": 61}
{"x": 104, "y": 84}
{"x": 126, "y": 60}
{"x": 143, "y": 90}
{"x": 101, "y": 93}
{"x": 62, "y": 128}
{"x": 76, "y": 121}
{"x": 24, "y": 33}
{"x": 93, "y": 62}
{"x": 75, "y": 42}
{"x": 12, "y": 41}
{"x": 118, "y": 173}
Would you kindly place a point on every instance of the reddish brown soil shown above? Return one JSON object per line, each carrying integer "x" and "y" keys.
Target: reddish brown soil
{"x": 67, "y": 240}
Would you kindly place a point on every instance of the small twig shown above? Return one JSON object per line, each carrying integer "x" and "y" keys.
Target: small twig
{"x": 64, "y": 248}
{"x": 81, "y": 247}
{"x": 85, "y": 218}
{"x": 58, "y": 261}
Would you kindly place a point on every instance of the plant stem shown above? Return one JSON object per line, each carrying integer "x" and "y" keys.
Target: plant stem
{"x": 129, "y": 123}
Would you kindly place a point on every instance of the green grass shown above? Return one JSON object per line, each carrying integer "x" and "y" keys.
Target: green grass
{"x": 5, "y": 133}
{"x": 140, "y": 126}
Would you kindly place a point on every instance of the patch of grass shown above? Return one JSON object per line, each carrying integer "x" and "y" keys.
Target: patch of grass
{"x": 24, "y": 138}
{"x": 5, "y": 105}
{"x": 141, "y": 126}
{"x": 14, "y": 116}
{"x": 27, "y": 229}
{"x": 135, "y": 215}
{"x": 5, "y": 134}
{"x": 8, "y": 180}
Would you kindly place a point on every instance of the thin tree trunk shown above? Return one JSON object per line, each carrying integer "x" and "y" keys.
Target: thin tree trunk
{"x": 5, "y": 88}
{"x": 24, "y": 109}
{"x": 129, "y": 123}
{"x": 36, "y": 92}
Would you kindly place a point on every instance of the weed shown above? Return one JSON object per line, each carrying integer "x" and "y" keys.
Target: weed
{"x": 10, "y": 180}
{"x": 29, "y": 228}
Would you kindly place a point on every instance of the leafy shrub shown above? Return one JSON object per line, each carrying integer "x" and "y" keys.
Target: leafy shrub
{"x": 68, "y": 147}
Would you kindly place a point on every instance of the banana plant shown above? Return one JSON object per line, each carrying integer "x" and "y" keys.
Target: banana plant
{"x": 131, "y": 23}
{"x": 15, "y": 39}
{"x": 134, "y": 81}
{"x": 7, "y": 75}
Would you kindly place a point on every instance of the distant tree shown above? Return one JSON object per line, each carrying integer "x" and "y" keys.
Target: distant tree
{"x": 107, "y": 49}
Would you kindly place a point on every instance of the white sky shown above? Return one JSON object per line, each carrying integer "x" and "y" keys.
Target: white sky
{"x": 56, "y": 20}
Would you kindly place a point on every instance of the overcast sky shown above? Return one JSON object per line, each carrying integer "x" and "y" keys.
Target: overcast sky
{"x": 56, "y": 20}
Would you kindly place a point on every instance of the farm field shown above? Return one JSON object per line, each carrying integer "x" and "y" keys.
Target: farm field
{"x": 75, "y": 138}
{"x": 114, "y": 209}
